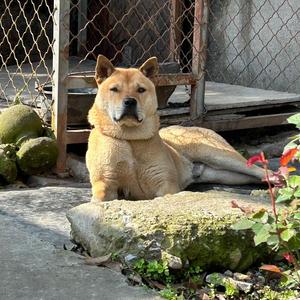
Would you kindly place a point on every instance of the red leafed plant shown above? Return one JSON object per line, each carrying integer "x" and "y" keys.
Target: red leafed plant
{"x": 280, "y": 229}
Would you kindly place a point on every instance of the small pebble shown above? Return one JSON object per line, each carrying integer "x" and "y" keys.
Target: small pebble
{"x": 228, "y": 273}
{"x": 241, "y": 277}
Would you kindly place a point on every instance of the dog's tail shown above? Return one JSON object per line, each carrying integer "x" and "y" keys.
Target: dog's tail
{"x": 202, "y": 145}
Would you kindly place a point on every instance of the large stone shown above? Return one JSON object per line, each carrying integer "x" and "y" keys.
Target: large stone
{"x": 37, "y": 155}
{"x": 8, "y": 167}
{"x": 195, "y": 227}
{"x": 19, "y": 123}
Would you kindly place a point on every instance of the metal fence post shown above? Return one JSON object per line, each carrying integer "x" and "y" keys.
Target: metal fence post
{"x": 199, "y": 57}
{"x": 61, "y": 67}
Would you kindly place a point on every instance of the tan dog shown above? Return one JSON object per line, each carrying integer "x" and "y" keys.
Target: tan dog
{"x": 129, "y": 157}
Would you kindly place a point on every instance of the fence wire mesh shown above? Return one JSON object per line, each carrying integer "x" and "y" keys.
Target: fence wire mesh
{"x": 251, "y": 43}
{"x": 129, "y": 32}
{"x": 255, "y": 43}
{"x": 26, "y": 41}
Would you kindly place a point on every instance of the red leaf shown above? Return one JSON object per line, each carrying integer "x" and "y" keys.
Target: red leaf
{"x": 288, "y": 156}
{"x": 256, "y": 158}
{"x": 270, "y": 268}
{"x": 289, "y": 257}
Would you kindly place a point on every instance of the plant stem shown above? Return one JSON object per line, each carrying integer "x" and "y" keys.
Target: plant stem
{"x": 271, "y": 193}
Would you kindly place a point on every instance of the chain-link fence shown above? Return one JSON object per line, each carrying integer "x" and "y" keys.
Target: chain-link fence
{"x": 48, "y": 50}
{"x": 255, "y": 43}
{"x": 26, "y": 42}
{"x": 129, "y": 32}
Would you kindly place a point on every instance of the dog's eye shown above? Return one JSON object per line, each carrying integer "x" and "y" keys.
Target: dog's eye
{"x": 114, "y": 89}
{"x": 141, "y": 90}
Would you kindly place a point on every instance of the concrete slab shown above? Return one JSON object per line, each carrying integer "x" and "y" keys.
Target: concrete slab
{"x": 34, "y": 264}
{"x": 227, "y": 96}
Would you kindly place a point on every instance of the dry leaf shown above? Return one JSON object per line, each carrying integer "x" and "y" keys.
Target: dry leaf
{"x": 97, "y": 261}
{"x": 113, "y": 265}
{"x": 270, "y": 268}
{"x": 135, "y": 278}
{"x": 155, "y": 284}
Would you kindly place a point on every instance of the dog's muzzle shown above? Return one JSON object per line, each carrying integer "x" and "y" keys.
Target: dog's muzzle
{"x": 129, "y": 109}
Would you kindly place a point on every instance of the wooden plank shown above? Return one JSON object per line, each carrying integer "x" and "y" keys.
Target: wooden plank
{"x": 199, "y": 57}
{"x": 78, "y": 136}
{"x": 173, "y": 111}
{"x": 243, "y": 123}
{"x": 86, "y": 79}
{"x": 61, "y": 66}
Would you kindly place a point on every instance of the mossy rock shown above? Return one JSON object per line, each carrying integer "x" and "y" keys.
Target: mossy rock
{"x": 37, "y": 155}
{"x": 194, "y": 227}
{"x": 19, "y": 123}
{"x": 8, "y": 167}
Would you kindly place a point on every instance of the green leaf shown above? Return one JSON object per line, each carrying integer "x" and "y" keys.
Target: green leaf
{"x": 295, "y": 119}
{"x": 297, "y": 215}
{"x": 294, "y": 181}
{"x": 257, "y": 227}
{"x": 262, "y": 236}
{"x": 242, "y": 224}
{"x": 294, "y": 243}
{"x": 287, "y": 234}
{"x": 285, "y": 194}
{"x": 283, "y": 198}
{"x": 297, "y": 193}
{"x": 261, "y": 216}
{"x": 273, "y": 240}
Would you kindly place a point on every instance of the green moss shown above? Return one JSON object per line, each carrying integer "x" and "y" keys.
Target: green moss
{"x": 8, "y": 168}
{"x": 19, "y": 123}
{"x": 37, "y": 155}
{"x": 210, "y": 243}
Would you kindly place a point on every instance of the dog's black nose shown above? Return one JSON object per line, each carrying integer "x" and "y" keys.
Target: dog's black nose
{"x": 129, "y": 102}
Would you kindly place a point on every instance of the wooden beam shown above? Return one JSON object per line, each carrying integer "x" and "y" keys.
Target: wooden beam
{"x": 242, "y": 123}
{"x": 86, "y": 80}
{"x": 61, "y": 68}
{"x": 78, "y": 136}
{"x": 199, "y": 57}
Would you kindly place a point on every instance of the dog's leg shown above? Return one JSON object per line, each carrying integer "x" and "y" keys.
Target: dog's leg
{"x": 103, "y": 191}
{"x": 205, "y": 174}
{"x": 204, "y": 146}
{"x": 167, "y": 188}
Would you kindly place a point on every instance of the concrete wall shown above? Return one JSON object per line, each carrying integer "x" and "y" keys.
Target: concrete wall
{"x": 253, "y": 45}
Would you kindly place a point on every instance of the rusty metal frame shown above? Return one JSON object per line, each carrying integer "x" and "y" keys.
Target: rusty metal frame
{"x": 63, "y": 80}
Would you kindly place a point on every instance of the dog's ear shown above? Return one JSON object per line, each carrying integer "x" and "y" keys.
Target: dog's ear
{"x": 104, "y": 68}
{"x": 150, "y": 67}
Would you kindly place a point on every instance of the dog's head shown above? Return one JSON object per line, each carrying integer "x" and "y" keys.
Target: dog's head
{"x": 127, "y": 96}
{"x": 126, "y": 103}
